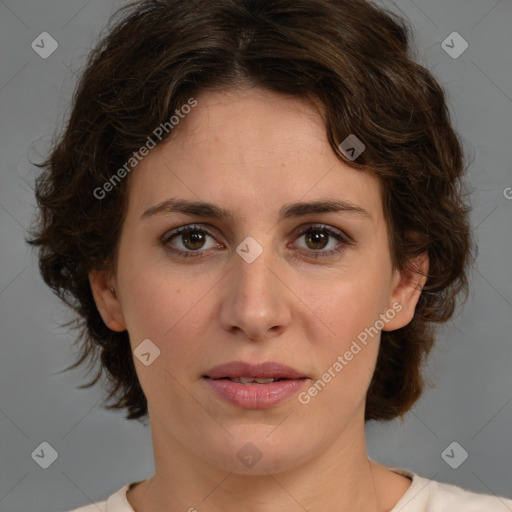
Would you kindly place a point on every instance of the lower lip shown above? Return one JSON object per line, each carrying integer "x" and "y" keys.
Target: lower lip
{"x": 255, "y": 396}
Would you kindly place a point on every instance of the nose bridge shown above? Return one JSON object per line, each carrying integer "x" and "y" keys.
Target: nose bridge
{"x": 256, "y": 302}
{"x": 253, "y": 267}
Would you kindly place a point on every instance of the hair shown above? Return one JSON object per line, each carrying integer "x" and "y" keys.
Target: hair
{"x": 350, "y": 57}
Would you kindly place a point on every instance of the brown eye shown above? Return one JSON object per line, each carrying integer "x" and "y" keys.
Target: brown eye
{"x": 316, "y": 239}
{"x": 193, "y": 240}
{"x": 189, "y": 241}
{"x": 322, "y": 241}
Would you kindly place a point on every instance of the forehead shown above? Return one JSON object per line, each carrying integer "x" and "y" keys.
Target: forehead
{"x": 243, "y": 146}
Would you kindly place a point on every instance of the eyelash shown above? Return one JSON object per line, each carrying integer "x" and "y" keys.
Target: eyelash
{"x": 344, "y": 240}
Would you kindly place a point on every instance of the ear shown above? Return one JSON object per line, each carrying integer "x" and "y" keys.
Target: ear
{"x": 406, "y": 288}
{"x": 107, "y": 302}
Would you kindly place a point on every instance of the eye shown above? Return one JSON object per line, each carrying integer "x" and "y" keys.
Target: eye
{"x": 322, "y": 241}
{"x": 317, "y": 241}
{"x": 189, "y": 241}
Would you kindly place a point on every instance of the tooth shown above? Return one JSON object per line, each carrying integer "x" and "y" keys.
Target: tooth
{"x": 252, "y": 380}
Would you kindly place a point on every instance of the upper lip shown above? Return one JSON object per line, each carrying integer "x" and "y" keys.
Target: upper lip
{"x": 269, "y": 369}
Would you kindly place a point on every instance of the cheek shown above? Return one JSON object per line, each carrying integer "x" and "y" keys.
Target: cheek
{"x": 348, "y": 303}
{"x": 346, "y": 355}
{"x": 171, "y": 310}
{"x": 350, "y": 306}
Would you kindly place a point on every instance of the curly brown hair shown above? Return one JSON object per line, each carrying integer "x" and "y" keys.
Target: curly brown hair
{"x": 351, "y": 57}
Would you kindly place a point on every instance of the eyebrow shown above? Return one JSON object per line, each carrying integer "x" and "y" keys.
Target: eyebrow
{"x": 290, "y": 210}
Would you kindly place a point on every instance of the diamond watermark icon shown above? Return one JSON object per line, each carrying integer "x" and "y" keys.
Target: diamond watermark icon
{"x": 249, "y": 455}
{"x": 454, "y": 455}
{"x": 249, "y": 249}
{"x": 44, "y": 45}
{"x": 146, "y": 352}
{"x": 454, "y": 45}
{"x": 45, "y": 455}
{"x": 351, "y": 147}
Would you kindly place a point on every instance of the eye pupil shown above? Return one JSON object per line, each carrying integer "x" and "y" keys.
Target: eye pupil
{"x": 317, "y": 239}
{"x": 193, "y": 240}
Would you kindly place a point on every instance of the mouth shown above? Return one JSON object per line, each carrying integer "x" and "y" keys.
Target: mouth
{"x": 248, "y": 373}
{"x": 253, "y": 380}
{"x": 254, "y": 386}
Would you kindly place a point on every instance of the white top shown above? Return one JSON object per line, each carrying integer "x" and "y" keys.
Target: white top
{"x": 423, "y": 495}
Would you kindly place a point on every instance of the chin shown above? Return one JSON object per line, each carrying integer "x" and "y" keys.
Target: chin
{"x": 258, "y": 453}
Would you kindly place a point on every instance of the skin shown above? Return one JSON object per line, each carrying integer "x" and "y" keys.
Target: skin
{"x": 253, "y": 151}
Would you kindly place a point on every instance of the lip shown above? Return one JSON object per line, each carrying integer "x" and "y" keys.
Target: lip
{"x": 266, "y": 369}
{"x": 254, "y": 396}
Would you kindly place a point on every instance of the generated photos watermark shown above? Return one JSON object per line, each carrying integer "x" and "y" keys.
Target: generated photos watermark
{"x": 137, "y": 156}
{"x": 355, "y": 348}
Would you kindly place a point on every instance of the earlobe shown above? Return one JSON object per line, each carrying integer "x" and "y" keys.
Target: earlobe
{"x": 106, "y": 300}
{"x": 406, "y": 289}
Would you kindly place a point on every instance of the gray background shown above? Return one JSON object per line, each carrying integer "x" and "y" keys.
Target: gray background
{"x": 99, "y": 451}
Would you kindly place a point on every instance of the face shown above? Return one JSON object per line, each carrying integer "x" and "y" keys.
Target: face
{"x": 288, "y": 263}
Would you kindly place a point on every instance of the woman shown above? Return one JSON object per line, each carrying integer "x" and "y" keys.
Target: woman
{"x": 255, "y": 210}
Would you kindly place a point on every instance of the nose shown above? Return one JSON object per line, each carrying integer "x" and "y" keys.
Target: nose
{"x": 256, "y": 304}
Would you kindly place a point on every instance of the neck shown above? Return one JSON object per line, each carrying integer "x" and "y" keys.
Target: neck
{"x": 340, "y": 478}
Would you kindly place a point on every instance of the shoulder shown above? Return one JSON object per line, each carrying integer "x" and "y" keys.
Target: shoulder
{"x": 93, "y": 507}
{"x": 117, "y": 502}
{"x": 425, "y": 495}
{"x": 446, "y": 496}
